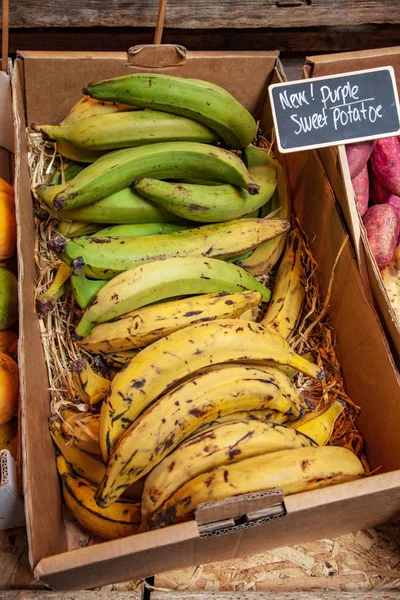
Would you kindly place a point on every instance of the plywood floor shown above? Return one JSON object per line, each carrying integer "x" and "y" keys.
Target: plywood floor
{"x": 363, "y": 561}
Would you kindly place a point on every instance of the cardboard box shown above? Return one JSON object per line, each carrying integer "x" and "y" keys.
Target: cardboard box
{"x": 11, "y": 502}
{"x": 44, "y": 87}
{"x": 335, "y": 162}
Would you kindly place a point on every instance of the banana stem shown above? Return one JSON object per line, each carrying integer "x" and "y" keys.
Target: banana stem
{"x": 84, "y": 289}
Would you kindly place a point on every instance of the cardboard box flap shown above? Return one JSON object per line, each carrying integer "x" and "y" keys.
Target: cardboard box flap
{"x": 156, "y": 56}
{"x": 343, "y": 62}
{"x": 6, "y": 124}
{"x": 239, "y": 512}
{"x": 237, "y": 507}
{"x": 43, "y": 69}
{"x": 328, "y": 511}
{"x": 45, "y": 531}
{"x": 336, "y": 165}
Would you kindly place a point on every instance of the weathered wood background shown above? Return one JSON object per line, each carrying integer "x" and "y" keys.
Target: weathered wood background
{"x": 197, "y": 14}
{"x": 295, "y": 27}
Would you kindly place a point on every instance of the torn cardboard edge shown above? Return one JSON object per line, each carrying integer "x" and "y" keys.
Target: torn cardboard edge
{"x": 12, "y": 513}
{"x": 239, "y": 512}
{"x": 6, "y": 122}
{"x": 156, "y": 56}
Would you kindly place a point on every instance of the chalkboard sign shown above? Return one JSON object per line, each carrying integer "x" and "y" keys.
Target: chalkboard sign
{"x": 337, "y": 109}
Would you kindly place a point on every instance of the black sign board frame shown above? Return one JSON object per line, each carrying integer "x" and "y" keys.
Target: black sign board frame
{"x": 332, "y": 110}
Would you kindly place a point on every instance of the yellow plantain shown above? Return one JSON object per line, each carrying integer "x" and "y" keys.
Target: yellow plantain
{"x": 293, "y": 471}
{"x": 45, "y": 302}
{"x": 288, "y": 294}
{"x": 267, "y": 415}
{"x": 319, "y": 425}
{"x": 173, "y": 417}
{"x": 165, "y": 362}
{"x": 82, "y": 428}
{"x": 161, "y": 280}
{"x": 267, "y": 254}
{"x": 144, "y": 326}
{"x": 120, "y": 520}
{"x": 108, "y": 256}
{"x": 84, "y": 464}
{"x": 88, "y": 107}
{"x": 93, "y": 386}
{"x": 219, "y": 445}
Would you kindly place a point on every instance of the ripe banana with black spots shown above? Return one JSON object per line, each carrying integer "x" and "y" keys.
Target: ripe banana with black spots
{"x": 106, "y": 257}
{"x": 163, "y": 279}
{"x": 267, "y": 254}
{"x": 120, "y": 359}
{"x": 128, "y": 129}
{"x": 165, "y": 362}
{"x": 295, "y": 470}
{"x": 92, "y": 387}
{"x": 319, "y": 425}
{"x": 179, "y": 413}
{"x": 288, "y": 293}
{"x": 219, "y": 445}
{"x": 126, "y": 206}
{"x": 82, "y": 428}
{"x": 292, "y": 372}
{"x": 150, "y": 323}
{"x": 116, "y": 170}
{"x": 45, "y": 301}
{"x": 215, "y": 203}
{"x": 89, "y": 107}
{"x": 199, "y": 100}
{"x": 266, "y": 415}
{"x": 120, "y": 520}
{"x": 86, "y": 465}
{"x": 84, "y": 289}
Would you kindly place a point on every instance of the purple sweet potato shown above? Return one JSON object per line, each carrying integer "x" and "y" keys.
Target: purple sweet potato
{"x": 395, "y": 202}
{"x": 361, "y": 190}
{"x": 378, "y": 193}
{"x": 385, "y": 163}
{"x": 383, "y": 227}
{"x": 358, "y": 155}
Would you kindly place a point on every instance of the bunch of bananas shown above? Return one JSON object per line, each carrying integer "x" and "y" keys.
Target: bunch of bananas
{"x": 162, "y": 240}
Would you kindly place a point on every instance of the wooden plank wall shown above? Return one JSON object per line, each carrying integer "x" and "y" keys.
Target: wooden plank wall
{"x": 199, "y": 14}
{"x": 296, "y": 27}
{"x": 304, "y": 41}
